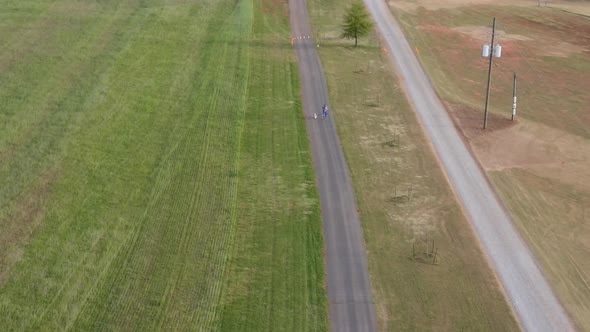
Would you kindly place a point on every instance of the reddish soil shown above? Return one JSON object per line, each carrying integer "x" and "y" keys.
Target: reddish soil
{"x": 470, "y": 121}
{"x": 541, "y": 159}
{"x": 549, "y": 136}
{"x": 275, "y": 7}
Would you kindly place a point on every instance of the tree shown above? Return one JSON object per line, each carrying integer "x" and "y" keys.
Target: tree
{"x": 356, "y": 22}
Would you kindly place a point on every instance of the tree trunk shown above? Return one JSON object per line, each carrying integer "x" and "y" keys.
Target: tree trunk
{"x": 356, "y": 40}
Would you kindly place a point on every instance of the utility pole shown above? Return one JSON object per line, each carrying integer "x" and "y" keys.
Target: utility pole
{"x": 485, "y": 113}
{"x": 513, "y": 96}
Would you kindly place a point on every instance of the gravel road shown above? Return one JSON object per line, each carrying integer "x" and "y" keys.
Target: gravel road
{"x": 532, "y": 298}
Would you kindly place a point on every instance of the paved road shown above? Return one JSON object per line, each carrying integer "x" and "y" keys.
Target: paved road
{"x": 530, "y": 295}
{"x": 349, "y": 291}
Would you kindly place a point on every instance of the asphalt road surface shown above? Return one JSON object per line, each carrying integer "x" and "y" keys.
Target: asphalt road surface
{"x": 349, "y": 291}
{"x": 532, "y": 298}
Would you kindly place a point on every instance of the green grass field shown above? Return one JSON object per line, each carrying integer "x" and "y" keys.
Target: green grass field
{"x": 403, "y": 196}
{"x": 155, "y": 169}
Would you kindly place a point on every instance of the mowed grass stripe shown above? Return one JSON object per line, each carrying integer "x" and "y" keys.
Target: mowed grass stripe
{"x": 25, "y": 168}
{"x": 278, "y": 230}
{"x": 151, "y": 213}
{"x": 205, "y": 174}
{"x": 52, "y": 102}
{"x": 139, "y": 66}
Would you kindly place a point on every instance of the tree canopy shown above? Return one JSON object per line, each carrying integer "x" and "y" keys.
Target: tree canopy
{"x": 356, "y": 22}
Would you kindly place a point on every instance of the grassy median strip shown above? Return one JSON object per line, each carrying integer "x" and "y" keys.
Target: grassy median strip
{"x": 156, "y": 171}
{"x": 427, "y": 270}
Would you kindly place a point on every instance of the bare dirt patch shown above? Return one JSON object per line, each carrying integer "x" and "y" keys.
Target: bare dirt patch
{"x": 274, "y": 7}
{"x": 526, "y": 145}
{"x": 411, "y": 6}
{"x": 510, "y": 41}
{"x": 552, "y": 67}
{"x": 483, "y": 33}
{"x": 538, "y": 149}
{"x": 562, "y": 49}
{"x": 470, "y": 121}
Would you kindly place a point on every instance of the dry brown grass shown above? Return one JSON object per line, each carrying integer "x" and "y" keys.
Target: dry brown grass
{"x": 554, "y": 217}
{"x": 581, "y": 7}
{"x": 404, "y": 199}
{"x": 540, "y": 162}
